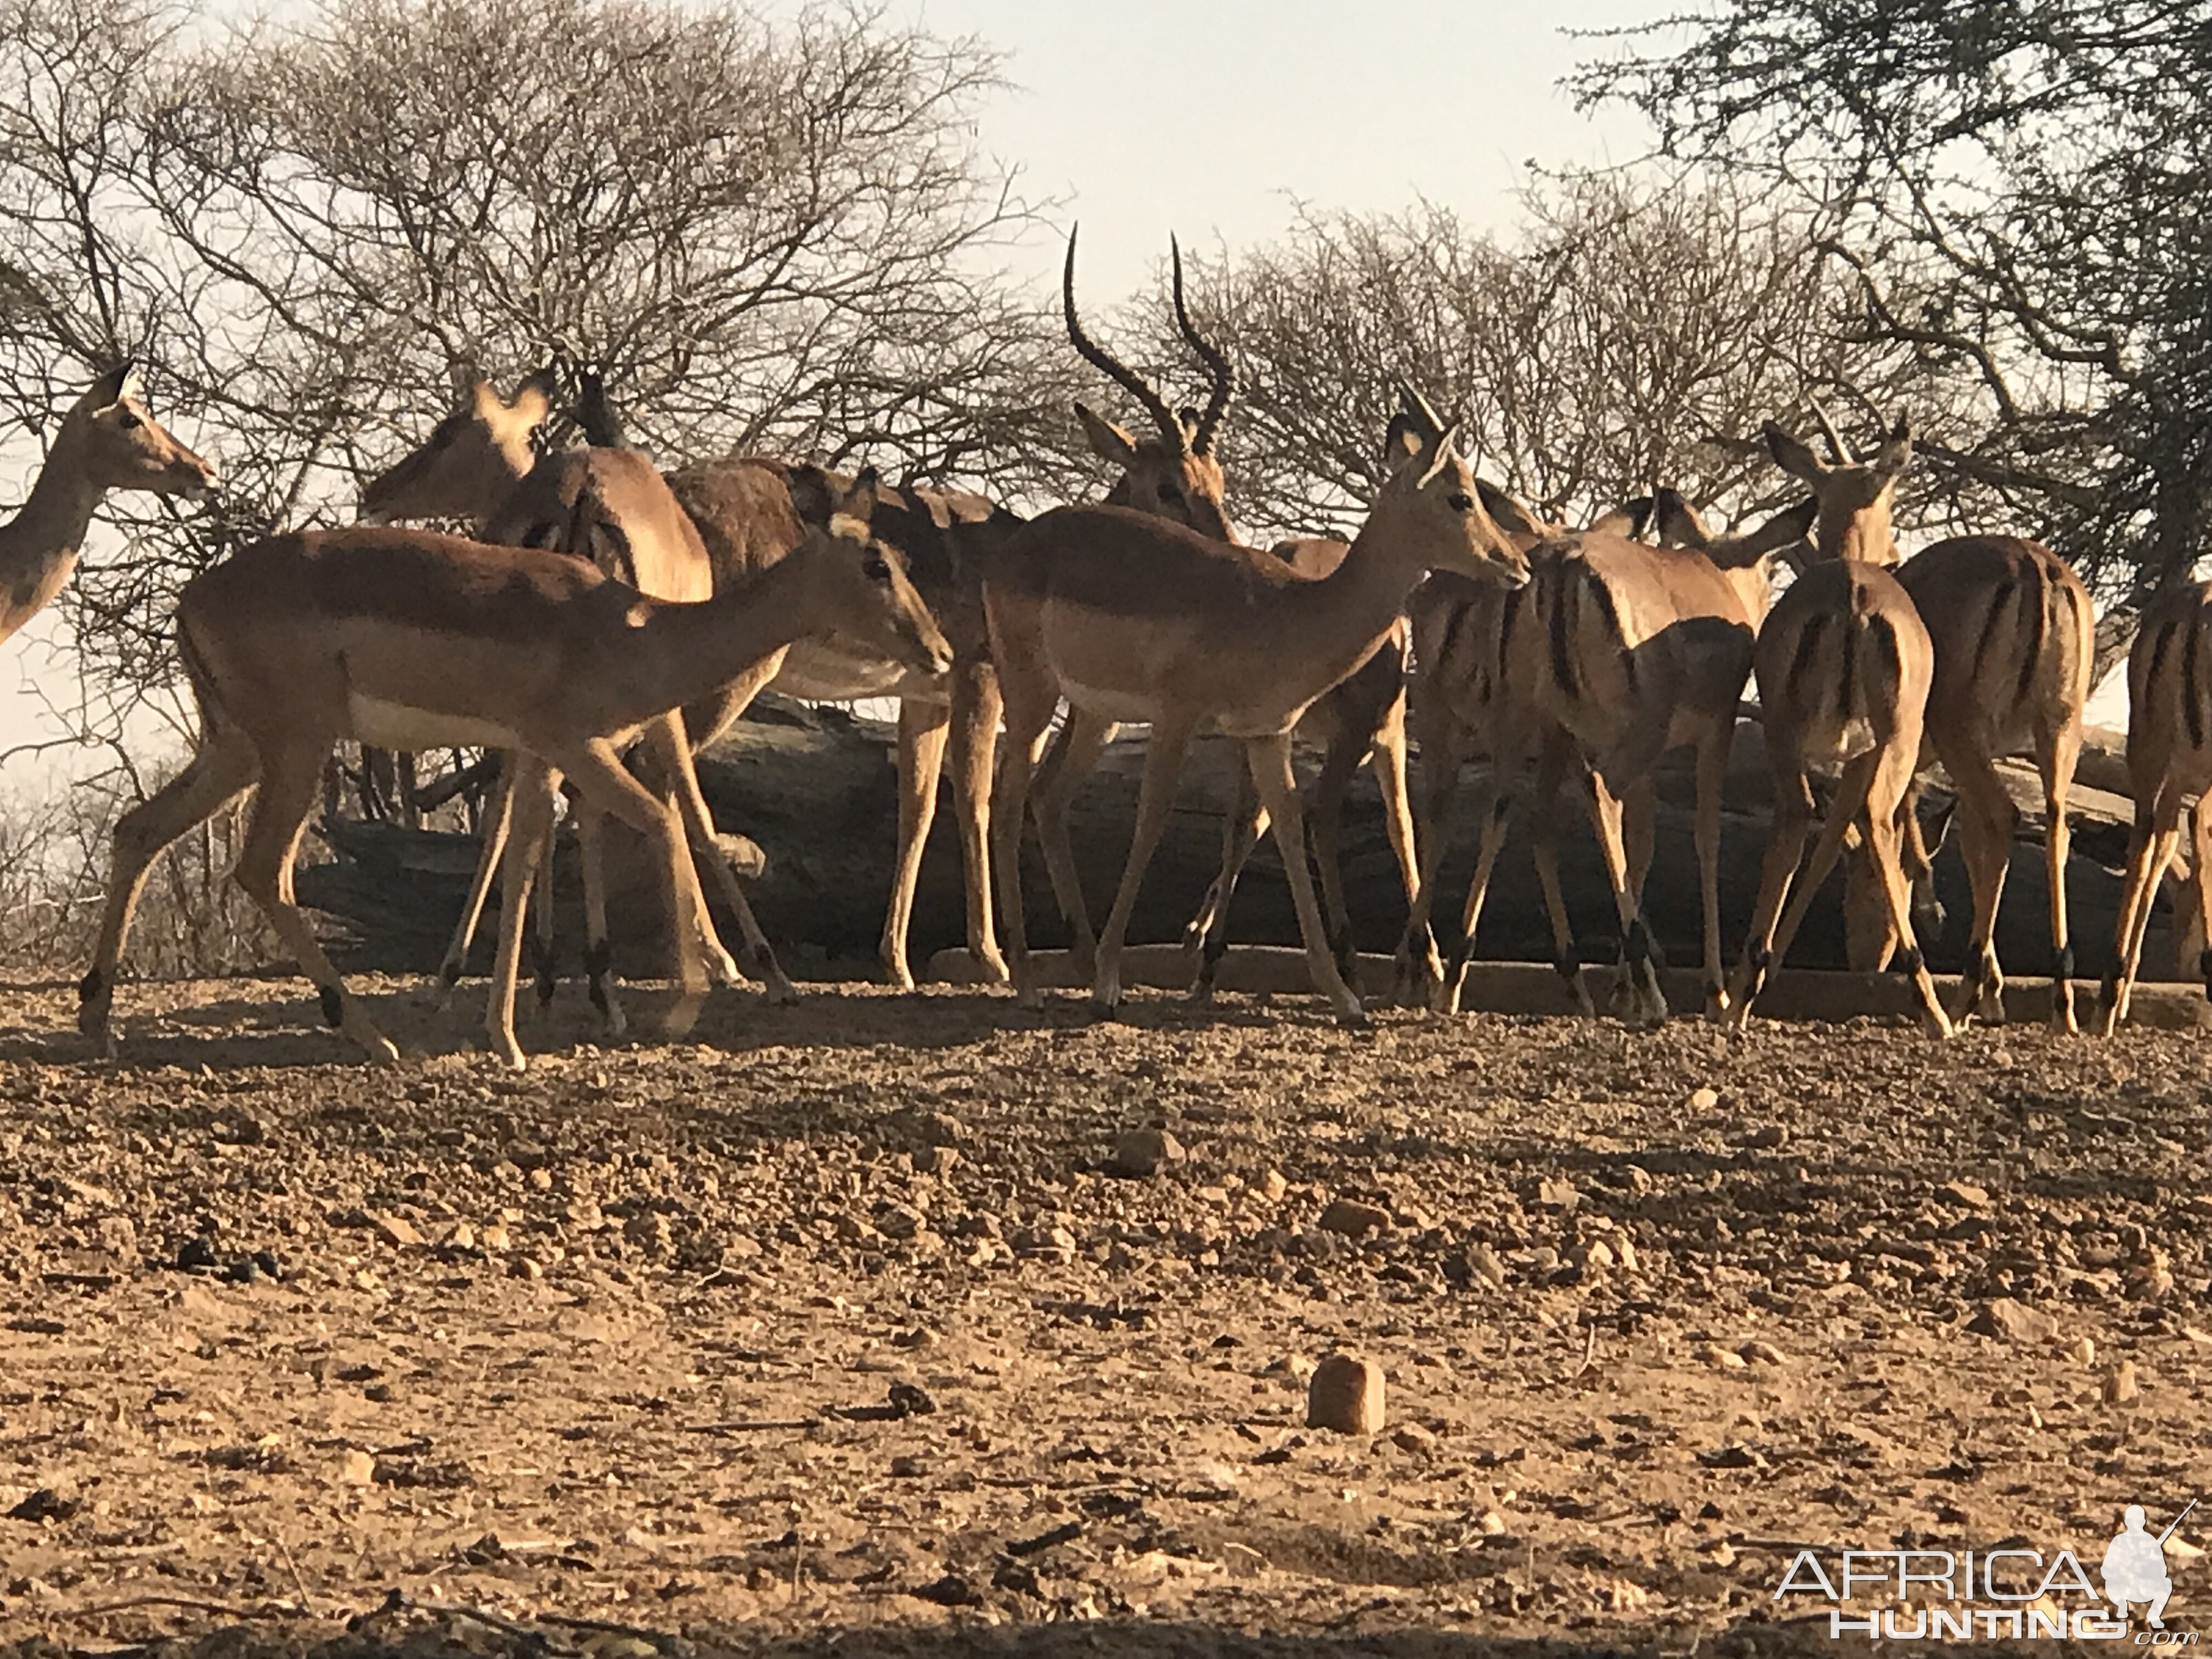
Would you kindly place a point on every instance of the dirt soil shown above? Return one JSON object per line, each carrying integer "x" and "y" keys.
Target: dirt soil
{"x": 837, "y": 1326}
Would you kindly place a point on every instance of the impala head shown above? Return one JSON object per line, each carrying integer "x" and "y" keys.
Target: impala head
{"x": 1439, "y": 502}
{"x": 471, "y": 460}
{"x": 1172, "y": 474}
{"x": 1853, "y": 493}
{"x": 859, "y": 581}
{"x": 120, "y": 446}
{"x": 1748, "y": 558}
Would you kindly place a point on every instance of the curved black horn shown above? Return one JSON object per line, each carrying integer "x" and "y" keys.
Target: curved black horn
{"x": 1217, "y": 366}
{"x": 1126, "y": 378}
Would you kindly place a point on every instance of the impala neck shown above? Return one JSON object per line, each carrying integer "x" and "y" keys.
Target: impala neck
{"x": 38, "y": 547}
{"x": 686, "y": 652}
{"x": 1862, "y": 534}
{"x": 1355, "y": 604}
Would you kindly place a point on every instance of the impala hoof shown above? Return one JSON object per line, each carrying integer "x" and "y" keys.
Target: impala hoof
{"x": 991, "y": 965}
{"x": 780, "y": 993}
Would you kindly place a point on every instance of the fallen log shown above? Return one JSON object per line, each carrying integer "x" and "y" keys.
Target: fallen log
{"x": 814, "y": 787}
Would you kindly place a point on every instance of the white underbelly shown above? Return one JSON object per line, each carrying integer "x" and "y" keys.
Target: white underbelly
{"x": 1127, "y": 708}
{"x": 384, "y": 725}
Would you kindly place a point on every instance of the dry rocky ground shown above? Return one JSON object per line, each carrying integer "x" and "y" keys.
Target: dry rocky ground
{"x": 867, "y": 1324}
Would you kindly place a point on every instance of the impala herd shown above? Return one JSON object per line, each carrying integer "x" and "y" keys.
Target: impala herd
{"x": 603, "y": 608}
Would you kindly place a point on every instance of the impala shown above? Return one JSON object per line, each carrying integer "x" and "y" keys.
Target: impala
{"x": 481, "y": 463}
{"x": 1844, "y": 665}
{"x": 107, "y": 442}
{"x": 2170, "y": 766}
{"x": 2013, "y": 633}
{"x": 1618, "y": 652}
{"x": 1136, "y": 619}
{"x": 410, "y": 639}
{"x": 1362, "y": 720}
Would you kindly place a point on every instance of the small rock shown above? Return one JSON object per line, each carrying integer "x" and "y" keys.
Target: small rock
{"x": 936, "y": 1129}
{"x": 1558, "y": 1195}
{"x": 1492, "y": 1522}
{"x": 358, "y": 1469}
{"x": 900, "y": 1221}
{"x": 1623, "y": 1249}
{"x": 933, "y": 1159}
{"x": 2013, "y": 1321}
{"x": 1484, "y": 1261}
{"x": 1726, "y": 1359}
{"x": 2120, "y": 1384}
{"x": 45, "y": 1505}
{"x": 1764, "y": 1139}
{"x": 1345, "y": 1395}
{"x": 496, "y": 1237}
{"x": 910, "y": 1467}
{"x": 1272, "y": 1186}
{"x": 397, "y": 1230}
{"x": 461, "y": 1236}
{"x": 2082, "y": 1352}
{"x": 1413, "y": 1437}
{"x": 1353, "y": 1218}
{"x": 1595, "y": 1257}
{"x": 1704, "y": 1100}
{"x": 1966, "y": 1193}
{"x": 1139, "y": 1154}
{"x": 1639, "y": 1178}
{"x": 1763, "y": 1353}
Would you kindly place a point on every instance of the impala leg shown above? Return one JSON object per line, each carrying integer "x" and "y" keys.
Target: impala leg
{"x": 599, "y": 952}
{"x": 596, "y": 773}
{"x": 1421, "y": 967}
{"x": 1711, "y": 782}
{"x": 1986, "y": 821}
{"x": 2058, "y": 756}
{"x": 290, "y": 777}
{"x": 923, "y": 728}
{"x": 532, "y": 789}
{"x": 1209, "y": 930}
{"x": 1075, "y": 756}
{"x": 541, "y": 937}
{"x": 492, "y": 842}
{"x": 1164, "y": 755}
{"x": 2200, "y": 851}
{"x": 1030, "y": 695}
{"x": 1386, "y": 758}
{"x": 1270, "y": 761}
{"x": 224, "y": 767}
{"x": 1785, "y": 848}
{"x": 1325, "y": 818}
{"x": 1497, "y": 818}
{"x": 1545, "y": 845}
{"x": 1887, "y": 787}
{"x": 2135, "y": 899}
{"x": 976, "y": 709}
{"x": 734, "y": 859}
{"x": 1624, "y": 831}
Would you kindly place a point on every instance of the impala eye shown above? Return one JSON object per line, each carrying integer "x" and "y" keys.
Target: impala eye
{"x": 1460, "y": 501}
{"x": 126, "y": 420}
{"x": 875, "y": 567}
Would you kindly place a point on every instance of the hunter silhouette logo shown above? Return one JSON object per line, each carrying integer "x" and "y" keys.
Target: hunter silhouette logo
{"x": 2135, "y": 1566}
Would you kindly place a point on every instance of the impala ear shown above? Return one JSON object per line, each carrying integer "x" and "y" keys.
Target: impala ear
{"x": 119, "y": 382}
{"x": 1794, "y": 457}
{"x": 1896, "y": 451}
{"x": 533, "y": 399}
{"x": 860, "y": 500}
{"x": 1677, "y": 522}
{"x": 1507, "y": 513}
{"x": 1108, "y": 442}
{"x": 1401, "y": 443}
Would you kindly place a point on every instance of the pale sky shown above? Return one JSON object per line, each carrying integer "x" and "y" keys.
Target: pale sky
{"x": 1142, "y": 117}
